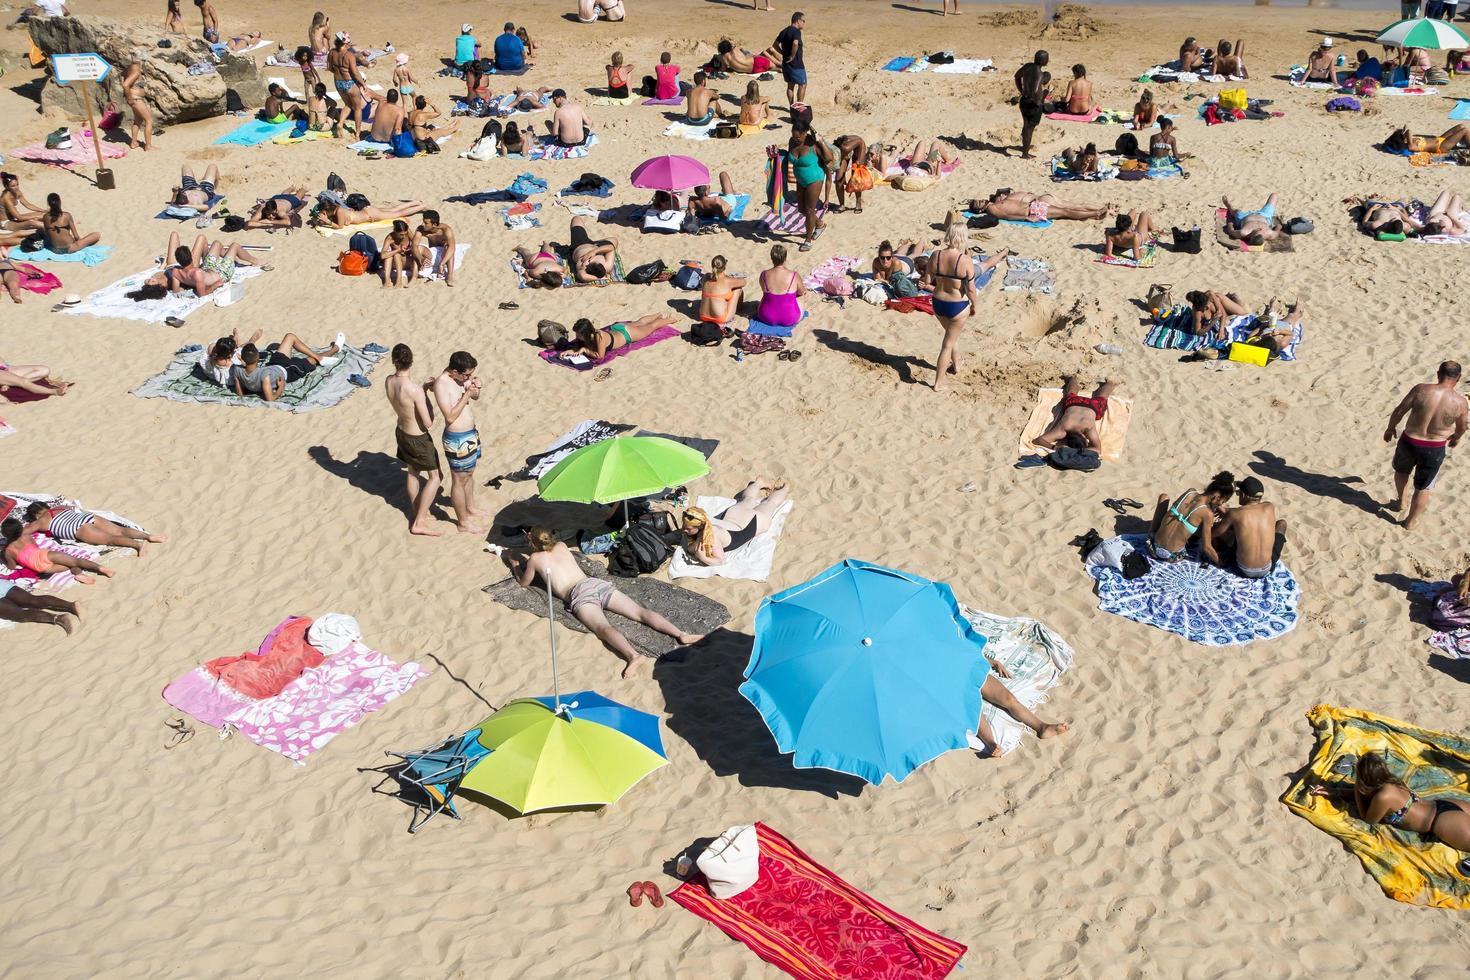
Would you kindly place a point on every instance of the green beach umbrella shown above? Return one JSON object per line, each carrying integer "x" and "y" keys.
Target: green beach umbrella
{"x": 581, "y": 750}
{"x": 1424, "y": 32}
{"x": 618, "y": 469}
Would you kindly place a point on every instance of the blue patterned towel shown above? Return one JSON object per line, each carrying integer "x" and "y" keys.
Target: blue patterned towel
{"x": 770, "y": 329}
{"x": 1200, "y": 602}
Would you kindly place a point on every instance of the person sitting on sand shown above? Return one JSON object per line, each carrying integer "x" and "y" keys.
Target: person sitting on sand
{"x": 588, "y": 10}
{"x": 278, "y": 104}
{"x": 19, "y": 606}
{"x": 1010, "y": 205}
{"x": 1131, "y": 232}
{"x": 702, "y": 103}
{"x": 19, "y": 214}
{"x": 755, "y": 109}
{"x": 1321, "y": 64}
{"x": 281, "y": 210}
{"x": 568, "y": 125}
{"x": 70, "y": 525}
{"x": 60, "y": 231}
{"x": 322, "y": 114}
{"x": 1368, "y": 67}
{"x": 618, "y": 75}
{"x": 1229, "y": 59}
{"x": 1081, "y": 161}
{"x": 589, "y": 599}
{"x": 781, "y": 292}
{"x": 596, "y": 344}
{"x": 1145, "y": 112}
{"x": 540, "y": 268}
{"x": 1193, "y": 512}
{"x": 721, "y": 294}
{"x": 22, "y": 550}
{"x": 591, "y": 260}
{"x": 1078, "y": 100}
{"x": 1380, "y": 797}
{"x": 512, "y": 140}
{"x": 710, "y": 540}
{"x": 426, "y": 133}
{"x": 1253, "y": 227}
{"x": 221, "y": 357}
{"x": 334, "y": 215}
{"x": 741, "y": 62}
{"x": 1401, "y": 140}
{"x": 1077, "y": 425}
{"x": 397, "y": 256}
{"x": 1249, "y": 538}
{"x": 1192, "y": 58}
{"x": 1209, "y": 311}
{"x": 387, "y": 119}
{"x": 714, "y": 207}
{"x": 34, "y": 378}
{"x": 909, "y": 259}
{"x": 1163, "y": 146}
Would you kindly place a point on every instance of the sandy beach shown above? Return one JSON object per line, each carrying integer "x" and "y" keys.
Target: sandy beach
{"x": 1149, "y": 841}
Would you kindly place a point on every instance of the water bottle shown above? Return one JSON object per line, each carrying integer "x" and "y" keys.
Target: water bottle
{"x": 1108, "y": 349}
{"x": 739, "y": 355}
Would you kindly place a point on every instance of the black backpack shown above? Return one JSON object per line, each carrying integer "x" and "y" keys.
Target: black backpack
{"x": 337, "y": 184}
{"x": 1187, "y": 241}
{"x": 649, "y": 87}
{"x": 1067, "y": 458}
{"x": 638, "y": 552}
{"x": 1127, "y": 145}
{"x": 646, "y": 273}
{"x": 706, "y": 334}
{"x": 358, "y": 201}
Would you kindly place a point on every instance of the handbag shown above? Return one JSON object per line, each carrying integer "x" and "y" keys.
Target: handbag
{"x": 690, "y": 277}
{"x": 112, "y": 118}
{"x": 731, "y": 863}
{"x": 1160, "y": 298}
{"x": 1233, "y": 98}
{"x": 859, "y": 179}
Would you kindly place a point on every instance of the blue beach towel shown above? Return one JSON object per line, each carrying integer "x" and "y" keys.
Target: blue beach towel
{"x": 770, "y": 329}
{"x": 1201, "y": 603}
{"x": 89, "y": 256}
{"x": 1461, "y": 111}
{"x": 899, "y": 64}
{"x": 604, "y": 191}
{"x": 737, "y": 212}
{"x": 1026, "y": 224}
{"x": 254, "y": 133}
{"x": 1171, "y": 169}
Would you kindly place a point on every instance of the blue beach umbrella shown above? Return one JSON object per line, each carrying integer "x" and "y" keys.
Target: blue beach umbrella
{"x": 866, "y": 670}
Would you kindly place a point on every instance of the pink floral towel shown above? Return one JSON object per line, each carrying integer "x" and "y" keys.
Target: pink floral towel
{"x": 80, "y": 151}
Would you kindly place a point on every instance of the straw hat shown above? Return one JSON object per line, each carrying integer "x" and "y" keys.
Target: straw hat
{"x": 72, "y": 299}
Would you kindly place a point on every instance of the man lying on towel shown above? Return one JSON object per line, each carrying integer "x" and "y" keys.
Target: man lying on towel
{"x": 1077, "y": 426}
{"x": 1010, "y": 205}
{"x": 218, "y": 362}
{"x": 267, "y": 378}
{"x": 714, "y": 207}
{"x": 1253, "y": 227}
{"x": 1249, "y": 538}
{"x": 586, "y": 598}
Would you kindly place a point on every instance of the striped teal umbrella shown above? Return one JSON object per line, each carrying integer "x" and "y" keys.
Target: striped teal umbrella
{"x": 1424, "y": 32}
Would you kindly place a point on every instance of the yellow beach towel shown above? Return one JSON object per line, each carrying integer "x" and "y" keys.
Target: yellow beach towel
{"x": 1113, "y": 428}
{"x": 309, "y": 135}
{"x": 1434, "y": 765}
{"x": 351, "y": 230}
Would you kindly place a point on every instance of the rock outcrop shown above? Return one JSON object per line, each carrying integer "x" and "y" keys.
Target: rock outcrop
{"x": 174, "y": 95}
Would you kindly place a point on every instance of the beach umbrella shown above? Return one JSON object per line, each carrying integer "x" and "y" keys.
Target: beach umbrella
{"x": 618, "y": 469}
{"x": 1424, "y": 32}
{"x": 578, "y": 749}
{"x": 866, "y": 670}
{"x": 670, "y": 173}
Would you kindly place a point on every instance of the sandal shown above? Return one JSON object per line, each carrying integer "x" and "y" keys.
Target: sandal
{"x": 635, "y": 894}
{"x": 602, "y": 375}
{"x": 650, "y": 890}
{"x": 510, "y": 305}
{"x": 182, "y": 732}
{"x": 805, "y": 247}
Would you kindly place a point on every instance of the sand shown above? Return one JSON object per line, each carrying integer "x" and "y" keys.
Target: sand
{"x": 1147, "y": 842}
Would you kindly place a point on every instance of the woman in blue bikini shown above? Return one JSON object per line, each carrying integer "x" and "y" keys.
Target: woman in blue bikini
{"x": 1382, "y": 797}
{"x": 1193, "y": 512}
{"x": 951, "y": 274}
{"x": 598, "y": 344}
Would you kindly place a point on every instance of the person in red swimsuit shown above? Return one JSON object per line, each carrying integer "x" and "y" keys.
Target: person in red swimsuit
{"x": 1437, "y": 418}
{"x": 1080, "y": 414}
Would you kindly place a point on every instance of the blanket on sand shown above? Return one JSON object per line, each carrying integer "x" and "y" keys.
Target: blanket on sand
{"x": 1175, "y": 332}
{"x": 436, "y": 252}
{"x": 1409, "y": 867}
{"x": 112, "y": 300}
{"x": 1112, "y": 427}
{"x": 254, "y": 133}
{"x": 1036, "y": 657}
{"x": 1148, "y": 256}
{"x": 182, "y": 381}
{"x": 555, "y": 151}
{"x": 960, "y": 66}
{"x": 1201, "y": 603}
{"x": 1029, "y": 275}
{"x": 89, "y": 256}
{"x": 286, "y": 696}
{"x": 687, "y": 610}
{"x": 812, "y": 925}
{"x": 751, "y": 563}
{"x": 80, "y": 152}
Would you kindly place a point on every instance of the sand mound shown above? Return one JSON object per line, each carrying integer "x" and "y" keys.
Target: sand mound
{"x": 1072, "y": 22}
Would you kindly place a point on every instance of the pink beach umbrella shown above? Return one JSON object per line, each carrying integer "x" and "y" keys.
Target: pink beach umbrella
{"x": 671, "y": 173}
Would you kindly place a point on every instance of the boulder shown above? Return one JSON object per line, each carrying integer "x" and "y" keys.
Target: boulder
{"x": 174, "y": 95}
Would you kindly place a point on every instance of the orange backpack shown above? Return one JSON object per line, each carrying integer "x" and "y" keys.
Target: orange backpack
{"x": 353, "y": 263}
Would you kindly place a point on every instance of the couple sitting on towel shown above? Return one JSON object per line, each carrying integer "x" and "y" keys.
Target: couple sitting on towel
{"x": 1247, "y": 538}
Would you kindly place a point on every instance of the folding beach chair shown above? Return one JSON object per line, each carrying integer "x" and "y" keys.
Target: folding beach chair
{"x": 436, "y": 772}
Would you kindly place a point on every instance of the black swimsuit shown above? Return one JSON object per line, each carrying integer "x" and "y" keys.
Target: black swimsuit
{"x": 741, "y": 537}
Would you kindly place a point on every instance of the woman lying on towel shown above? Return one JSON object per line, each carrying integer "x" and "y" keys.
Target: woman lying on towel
{"x": 721, "y": 294}
{"x": 334, "y": 215}
{"x": 1381, "y": 797}
{"x": 1082, "y": 161}
{"x": 540, "y": 268}
{"x": 22, "y": 550}
{"x": 35, "y": 378}
{"x": 71, "y": 524}
{"x": 19, "y": 606}
{"x": 710, "y": 540}
{"x": 1010, "y": 205}
{"x": 1193, "y": 512}
{"x": 597, "y": 344}
{"x": 1402, "y": 140}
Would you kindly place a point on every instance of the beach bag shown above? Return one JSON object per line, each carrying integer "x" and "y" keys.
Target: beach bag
{"x": 1126, "y": 145}
{"x": 1187, "y": 241}
{"x": 404, "y": 145}
{"x": 1299, "y": 226}
{"x": 706, "y": 334}
{"x": 640, "y": 552}
{"x": 357, "y": 201}
{"x": 1135, "y": 565}
{"x": 837, "y": 286}
{"x": 941, "y": 58}
{"x": 646, "y": 273}
{"x": 874, "y": 294}
{"x": 690, "y": 276}
{"x": 669, "y": 221}
{"x": 1450, "y": 611}
{"x": 649, "y": 87}
{"x": 353, "y": 263}
{"x": 112, "y": 117}
{"x": 550, "y": 334}
{"x": 725, "y": 131}
{"x": 1249, "y": 354}
{"x": 1436, "y": 76}
{"x": 801, "y": 112}
{"x": 903, "y": 284}
{"x": 914, "y": 182}
{"x": 485, "y": 148}
{"x": 336, "y": 184}
{"x": 1366, "y": 88}
{"x": 859, "y": 179}
{"x": 731, "y": 863}
{"x": 1160, "y": 298}
{"x": 1233, "y": 98}
{"x": 233, "y": 223}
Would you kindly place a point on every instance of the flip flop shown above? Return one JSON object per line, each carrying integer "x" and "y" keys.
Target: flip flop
{"x": 510, "y": 305}
{"x": 182, "y": 732}
{"x": 602, "y": 375}
{"x": 651, "y": 892}
{"x": 359, "y": 380}
{"x": 173, "y": 321}
{"x": 375, "y": 348}
{"x": 635, "y": 894}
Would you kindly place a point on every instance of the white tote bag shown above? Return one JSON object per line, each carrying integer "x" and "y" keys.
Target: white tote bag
{"x": 731, "y": 863}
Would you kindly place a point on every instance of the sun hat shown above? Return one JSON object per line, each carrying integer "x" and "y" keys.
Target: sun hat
{"x": 72, "y": 299}
{"x": 1327, "y": 42}
{"x": 402, "y": 59}
{"x": 466, "y": 28}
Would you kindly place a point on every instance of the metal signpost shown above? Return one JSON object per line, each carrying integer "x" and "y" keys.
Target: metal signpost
{"x": 83, "y": 70}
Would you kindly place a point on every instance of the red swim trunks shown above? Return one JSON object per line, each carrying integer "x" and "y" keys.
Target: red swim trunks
{"x": 762, "y": 65}
{"x": 1099, "y": 406}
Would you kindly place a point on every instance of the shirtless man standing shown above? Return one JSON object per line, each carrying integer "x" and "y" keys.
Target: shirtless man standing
{"x": 387, "y": 120}
{"x": 415, "y": 446}
{"x": 1437, "y": 419}
{"x": 569, "y": 126}
{"x": 453, "y": 391}
{"x": 1250, "y": 536}
{"x": 586, "y": 598}
{"x": 1077, "y": 425}
{"x": 210, "y": 17}
{"x": 434, "y": 234}
{"x": 347, "y": 76}
{"x": 1031, "y": 82}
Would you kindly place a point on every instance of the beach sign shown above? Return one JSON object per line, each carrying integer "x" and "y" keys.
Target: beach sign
{"x": 84, "y": 69}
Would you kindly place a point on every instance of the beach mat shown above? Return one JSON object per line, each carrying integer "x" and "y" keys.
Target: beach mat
{"x": 1202, "y": 603}
{"x": 1029, "y": 276}
{"x": 1149, "y": 256}
{"x": 812, "y": 925}
{"x": 751, "y": 563}
{"x": 111, "y": 301}
{"x": 1461, "y": 111}
{"x": 687, "y": 610}
{"x": 658, "y": 336}
{"x": 254, "y": 133}
{"x": 1281, "y": 243}
{"x": 89, "y": 256}
{"x": 1036, "y": 658}
{"x": 1408, "y": 866}
{"x": 81, "y": 151}
{"x": 1112, "y": 427}
{"x": 327, "y": 232}
{"x": 691, "y": 131}
{"x": 182, "y": 381}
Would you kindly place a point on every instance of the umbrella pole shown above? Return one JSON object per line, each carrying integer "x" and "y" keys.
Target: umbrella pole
{"x": 626, "y": 522}
{"x": 551, "y": 629}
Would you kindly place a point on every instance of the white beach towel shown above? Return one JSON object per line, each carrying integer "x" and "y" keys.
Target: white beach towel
{"x": 111, "y": 301}
{"x": 752, "y": 563}
{"x": 1036, "y": 657}
{"x": 963, "y": 66}
{"x": 435, "y": 253}
{"x": 281, "y": 81}
{"x": 690, "y": 131}
{"x": 262, "y": 43}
